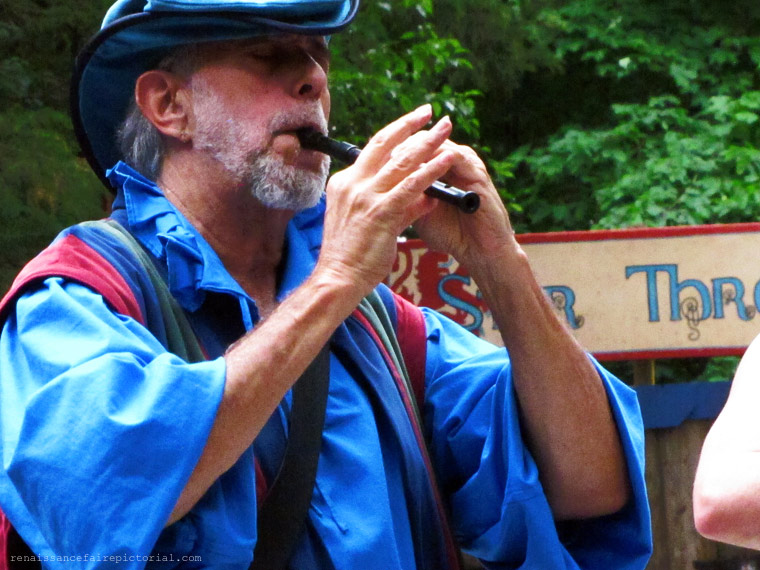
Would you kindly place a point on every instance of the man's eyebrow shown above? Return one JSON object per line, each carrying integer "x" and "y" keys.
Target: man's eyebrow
{"x": 322, "y": 49}
{"x": 316, "y": 43}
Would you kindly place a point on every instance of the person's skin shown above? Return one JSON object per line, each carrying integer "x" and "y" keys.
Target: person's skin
{"x": 727, "y": 484}
{"x": 564, "y": 408}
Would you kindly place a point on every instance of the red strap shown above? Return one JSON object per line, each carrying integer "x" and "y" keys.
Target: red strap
{"x": 412, "y": 338}
{"x": 5, "y": 529}
{"x": 415, "y": 333}
{"x": 262, "y": 485}
{"x": 72, "y": 258}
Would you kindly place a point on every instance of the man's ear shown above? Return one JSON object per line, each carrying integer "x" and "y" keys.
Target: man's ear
{"x": 163, "y": 99}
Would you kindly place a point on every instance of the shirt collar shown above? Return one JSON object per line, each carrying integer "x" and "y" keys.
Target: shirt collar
{"x": 191, "y": 265}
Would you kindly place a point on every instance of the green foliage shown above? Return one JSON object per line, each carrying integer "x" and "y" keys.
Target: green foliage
{"x": 657, "y": 165}
{"x": 38, "y": 43}
{"x": 393, "y": 59}
{"x": 508, "y": 44}
{"x": 42, "y": 188}
{"x": 391, "y": 62}
{"x": 667, "y": 133}
{"x": 674, "y": 370}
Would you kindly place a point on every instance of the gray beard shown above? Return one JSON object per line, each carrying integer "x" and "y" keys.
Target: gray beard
{"x": 272, "y": 182}
{"x": 283, "y": 187}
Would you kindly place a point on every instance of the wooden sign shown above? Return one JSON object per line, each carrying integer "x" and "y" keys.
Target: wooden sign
{"x": 625, "y": 294}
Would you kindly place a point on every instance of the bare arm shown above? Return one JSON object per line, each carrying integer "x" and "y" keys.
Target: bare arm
{"x": 564, "y": 408}
{"x": 727, "y": 483}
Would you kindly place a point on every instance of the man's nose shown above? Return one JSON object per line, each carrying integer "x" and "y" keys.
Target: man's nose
{"x": 312, "y": 80}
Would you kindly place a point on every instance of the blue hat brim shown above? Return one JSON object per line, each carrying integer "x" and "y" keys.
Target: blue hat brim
{"x": 107, "y": 68}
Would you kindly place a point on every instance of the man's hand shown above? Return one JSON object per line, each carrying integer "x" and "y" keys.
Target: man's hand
{"x": 370, "y": 203}
{"x": 470, "y": 238}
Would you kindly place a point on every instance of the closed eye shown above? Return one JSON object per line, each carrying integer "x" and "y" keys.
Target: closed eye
{"x": 287, "y": 50}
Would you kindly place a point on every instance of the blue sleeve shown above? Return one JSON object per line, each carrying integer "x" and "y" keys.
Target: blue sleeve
{"x": 499, "y": 511}
{"x": 101, "y": 426}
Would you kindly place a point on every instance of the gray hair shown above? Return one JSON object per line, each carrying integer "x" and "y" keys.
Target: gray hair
{"x": 140, "y": 142}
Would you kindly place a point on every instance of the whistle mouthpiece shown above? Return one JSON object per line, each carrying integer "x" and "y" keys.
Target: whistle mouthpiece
{"x": 339, "y": 150}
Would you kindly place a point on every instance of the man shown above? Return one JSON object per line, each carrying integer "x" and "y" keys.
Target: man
{"x": 114, "y": 445}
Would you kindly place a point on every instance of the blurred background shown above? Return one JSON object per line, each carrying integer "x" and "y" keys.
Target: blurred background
{"x": 590, "y": 114}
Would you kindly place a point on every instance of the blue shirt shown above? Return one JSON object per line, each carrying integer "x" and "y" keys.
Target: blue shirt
{"x": 101, "y": 428}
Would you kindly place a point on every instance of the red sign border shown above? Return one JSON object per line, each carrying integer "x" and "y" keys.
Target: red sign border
{"x": 650, "y": 233}
{"x": 644, "y": 233}
{"x": 638, "y": 233}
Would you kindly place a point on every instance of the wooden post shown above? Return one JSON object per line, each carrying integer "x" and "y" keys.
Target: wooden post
{"x": 643, "y": 373}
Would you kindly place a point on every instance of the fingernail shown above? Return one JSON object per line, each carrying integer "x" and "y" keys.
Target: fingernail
{"x": 424, "y": 110}
{"x": 443, "y": 123}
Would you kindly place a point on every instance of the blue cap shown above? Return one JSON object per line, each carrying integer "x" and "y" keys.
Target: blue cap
{"x": 137, "y": 34}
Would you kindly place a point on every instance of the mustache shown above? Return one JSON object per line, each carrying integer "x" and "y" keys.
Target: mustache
{"x": 309, "y": 116}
